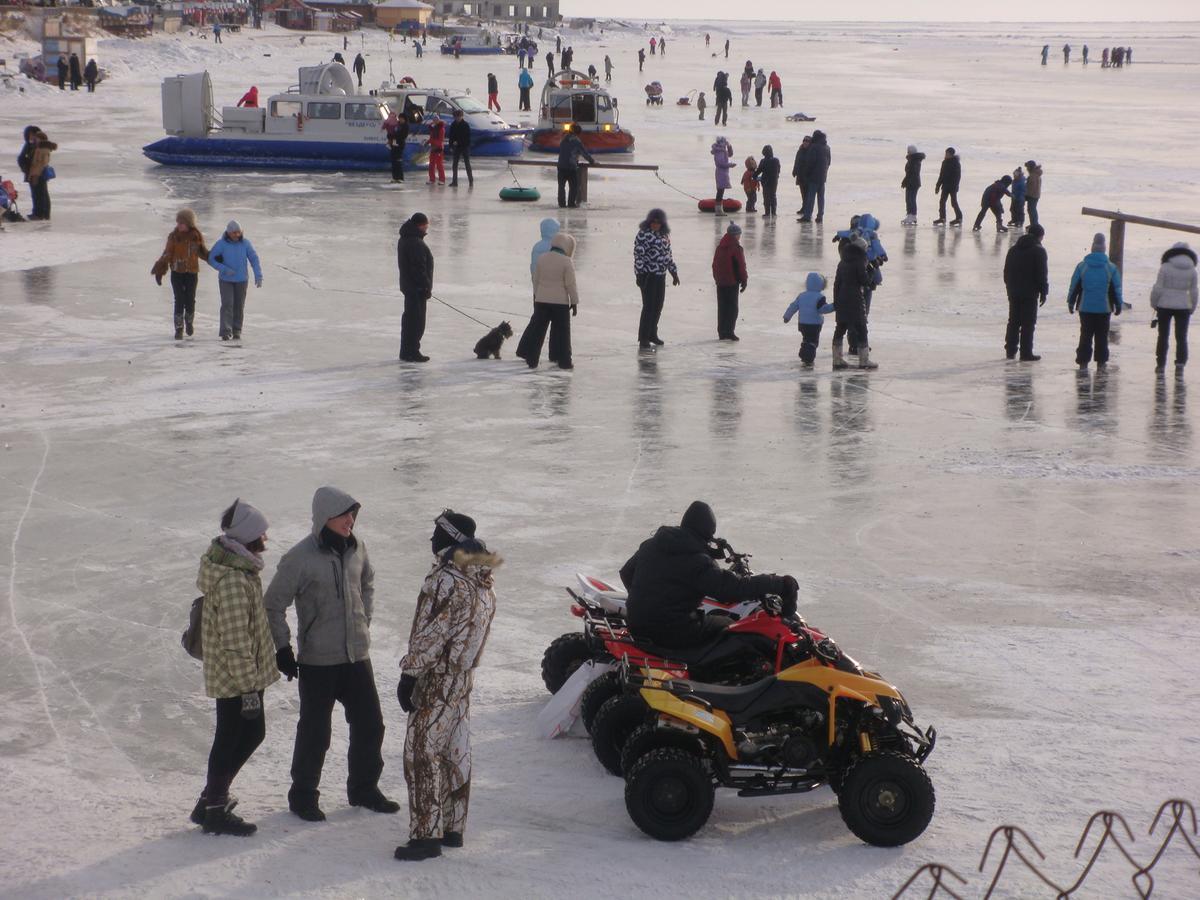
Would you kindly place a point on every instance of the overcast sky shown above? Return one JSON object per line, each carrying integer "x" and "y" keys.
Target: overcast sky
{"x": 919, "y": 10}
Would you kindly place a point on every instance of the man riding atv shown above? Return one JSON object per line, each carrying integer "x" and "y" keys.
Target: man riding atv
{"x": 673, "y": 571}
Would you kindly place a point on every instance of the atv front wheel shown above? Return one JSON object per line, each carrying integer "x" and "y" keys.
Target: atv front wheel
{"x": 564, "y": 655}
{"x": 617, "y": 719}
{"x": 669, "y": 794}
{"x": 886, "y": 799}
{"x": 595, "y": 695}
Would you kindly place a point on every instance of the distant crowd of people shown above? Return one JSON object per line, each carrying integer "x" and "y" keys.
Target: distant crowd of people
{"x": 1110, "y": 57}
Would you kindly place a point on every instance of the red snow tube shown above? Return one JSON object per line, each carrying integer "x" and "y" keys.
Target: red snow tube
{"x": 729, "y": 205}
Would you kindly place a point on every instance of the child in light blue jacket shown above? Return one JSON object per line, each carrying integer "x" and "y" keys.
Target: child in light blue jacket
{"x": 808, "y": 308}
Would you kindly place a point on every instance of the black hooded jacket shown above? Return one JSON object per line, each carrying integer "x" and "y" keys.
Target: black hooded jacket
{"x": 950, "y": 176}
{"x": 1025, "y": 269}
{"x": 850, "y": 284}
{"x": 912, "y": 170}
{"x": 671, "y": 573}
{"x": 415, "y": 261}
{"x": 768, "y": 168}
{"x": 819, "y": 158}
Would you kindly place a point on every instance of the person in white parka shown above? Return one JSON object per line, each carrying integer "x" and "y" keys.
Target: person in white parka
{"x": 1174, "y": 297}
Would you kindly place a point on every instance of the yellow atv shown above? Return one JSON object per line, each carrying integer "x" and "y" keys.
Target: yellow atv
{"x": 821, "y": 721}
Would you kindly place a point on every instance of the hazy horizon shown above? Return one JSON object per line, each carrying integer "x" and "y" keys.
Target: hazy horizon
{"x": 1031, "y": 11}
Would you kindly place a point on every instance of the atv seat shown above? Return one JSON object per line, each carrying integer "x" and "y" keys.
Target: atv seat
{"x": 732, "y": 700}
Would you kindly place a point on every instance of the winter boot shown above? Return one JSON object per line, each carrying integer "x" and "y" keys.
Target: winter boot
{"x": 179, "y": 333}
{"x": 188, "y": 327}
{"x": 418, "y": 849}
{"x": 453, "y": 839}
{"x": 219, "y": 820}
{"x": 375, "y": 801}
{"x": 197, "y": 816}
{"x": 838, "y": 361}
{"x": 308, "y": 810}
{"x": 719, "y": 209}
{"x": 864, "y": 359}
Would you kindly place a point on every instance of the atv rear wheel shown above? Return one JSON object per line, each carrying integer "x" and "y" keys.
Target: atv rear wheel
{"x": 595, "y": 695}
{"x": 564, "y": 655}
{"x": 649, "y": 737}
{"x": 617, "y": 719}
{"x": 886, "y": 799}
{"x": 669, "y": 794}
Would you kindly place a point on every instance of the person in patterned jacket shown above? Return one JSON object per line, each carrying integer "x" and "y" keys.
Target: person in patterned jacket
{"x": 652, "y": 260}
{"x": 239, "y": 659}
{"x": 449, "y": 630}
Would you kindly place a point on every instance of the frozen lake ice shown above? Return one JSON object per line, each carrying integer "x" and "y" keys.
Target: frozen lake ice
{"x": 1014, "y": 545}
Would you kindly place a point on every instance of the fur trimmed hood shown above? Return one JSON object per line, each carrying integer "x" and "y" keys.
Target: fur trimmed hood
{"x": 474, "y": 555}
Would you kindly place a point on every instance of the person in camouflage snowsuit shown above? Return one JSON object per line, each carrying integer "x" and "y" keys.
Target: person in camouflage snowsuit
{"x": 450, "y": 627}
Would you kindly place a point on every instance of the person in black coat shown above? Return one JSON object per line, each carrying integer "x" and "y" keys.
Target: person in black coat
{"x": 76, "y": 72}
{"x": 911, "y": 183}
{"x": 767, "y": 174}
{"x": 360, "y": 66}
{"x": 851, "y": 284}
{"x": 416, "y": 284}
{"x": 949, "y": 178}
{"x": 459, "y": 136}
{"x": 570, "y": 148}
{"x": 993, "y": 200}
{"x": 63, "y": 71}
{"x": 817, "y": 171}
{"x": 672, "y": 572}
{"x": 800, "y": 171}
{"x": 1027, "y": 282}
{"x": 91, "y": 72}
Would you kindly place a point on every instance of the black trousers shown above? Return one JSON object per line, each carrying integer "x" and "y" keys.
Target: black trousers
{"x": 556, "y": 317}
{"x": 234, "y": 742}
{"x": 910, "y": 200}
{"x": 396, "y": 155}
{"x": 40, "y": 193}
{"x": 952, "y": 196}
{"x": 183, "y": 285}
{"x": 1016, "y": 212}
{"x": 758, "y": 96}
{"x": 568, "y": 187}
{"x": 722, "y": 116}
{"x": 997, "y": 211}
{"x": 727, "y": 310}
{"x": 770, "y": 191}
{"x": 654, "y": 292}
{"x": 412, "y": 325}
{"x": 1093, "y": 332}
{"x": 524, "y": 104}
{"x": 810, "y": 340}
{"x": 1031, "y": 204}
{"x": 855, "y": 328}
{"x": 1181, "y": 318}
{"x": 1022, "y": 319}
{"x": 353, "y": 686}
{"x": 464, "y": 154}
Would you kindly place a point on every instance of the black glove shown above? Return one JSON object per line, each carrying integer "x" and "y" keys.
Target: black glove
{"x": 1071, "y": 306}
{"x": 1154, "y": 323}
{"x": 743, "y": 288}
{"x": 675, "y": 279}
{"x": 1042, "y": 300}
{"x": 285, "y": 661}
{"x": 404, "y": 692}
{"x": 789, "y": 591}
{"x": 251, "y": 705}
{"x": 158, "y": 278}
{"x": 639, "y": 278}
{"x": 1117, "y": 308}
{"x": 574, "y": 309}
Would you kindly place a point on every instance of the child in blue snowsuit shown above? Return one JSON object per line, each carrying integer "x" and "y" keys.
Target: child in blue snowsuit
{"x": 808, "y": 308}
{"x": 1016, "y": 207}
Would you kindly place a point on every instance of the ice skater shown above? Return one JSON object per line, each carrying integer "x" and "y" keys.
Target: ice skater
{"x": 1095, "y": 291}
{"x": 652, "y": 260}
{"x": 731, "y": 277}
{"x": 239, "y": 660}
{"x": 1016, "y": 206}
{"x": 415, "y": 262}
{"x": 810, "y": 308}
{"x": 993, "y": 201}
{"x": 1173, "y": 299}
{"x": 911, "y": 183}
{"x": 230, "y": 256}
{"x": 1026, "y": 281}
{"x": 449, "y": 632}
{"x": 949, "y": 179}
{"x": 181, "y": 258}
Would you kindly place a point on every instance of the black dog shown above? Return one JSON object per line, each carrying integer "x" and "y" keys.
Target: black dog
{"x": 490, "y": 343}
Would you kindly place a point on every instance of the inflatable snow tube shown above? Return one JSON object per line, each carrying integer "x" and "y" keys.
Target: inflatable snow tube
{"x": 519, "y": 194}
{"x": 729, "y": 204}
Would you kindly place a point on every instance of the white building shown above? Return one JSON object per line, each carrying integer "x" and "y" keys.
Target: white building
{"x": 540, "y": 11}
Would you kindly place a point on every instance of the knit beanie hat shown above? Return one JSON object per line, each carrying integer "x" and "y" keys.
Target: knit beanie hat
{"x": 186, "y": 217}
{"x": 734, "y": 228}
{"x": 247, "y": 524}
{"x": 912, "y": 148}
{"x": 451, "y": 528}
{"x": 232, "y": 226}
{"x": 1098, "y": 243}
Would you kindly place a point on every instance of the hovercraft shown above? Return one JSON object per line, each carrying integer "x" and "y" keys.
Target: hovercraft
{"x": 572, "y": 98}
{"x": 490, "y": 134}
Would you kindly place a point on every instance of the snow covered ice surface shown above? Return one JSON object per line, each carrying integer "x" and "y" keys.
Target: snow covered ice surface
{"x": 1013, "y": 545}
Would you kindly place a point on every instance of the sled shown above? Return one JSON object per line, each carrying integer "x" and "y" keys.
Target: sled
{"x": 728, "y": 204}
{"x": 562, "y": 710}
{"x": 524, "y": 194}
{"x": 801, "y": 117}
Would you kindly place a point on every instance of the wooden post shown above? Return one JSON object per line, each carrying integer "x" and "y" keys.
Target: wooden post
{"x": 583, "y": 182}
{"x": 1116, "y": 244}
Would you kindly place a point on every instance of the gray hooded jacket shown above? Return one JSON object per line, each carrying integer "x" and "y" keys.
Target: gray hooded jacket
{"x": 334, "y": 595}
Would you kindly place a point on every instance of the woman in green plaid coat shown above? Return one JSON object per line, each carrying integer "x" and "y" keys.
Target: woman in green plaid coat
{"x": 239, "y": 659}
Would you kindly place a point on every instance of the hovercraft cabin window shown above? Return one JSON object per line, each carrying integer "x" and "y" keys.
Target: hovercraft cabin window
{"x": 583, "y": 107}
{"x": 324, "y": 110}
{"x": 285, "y": 109}
{"x": 363, "y": 112}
